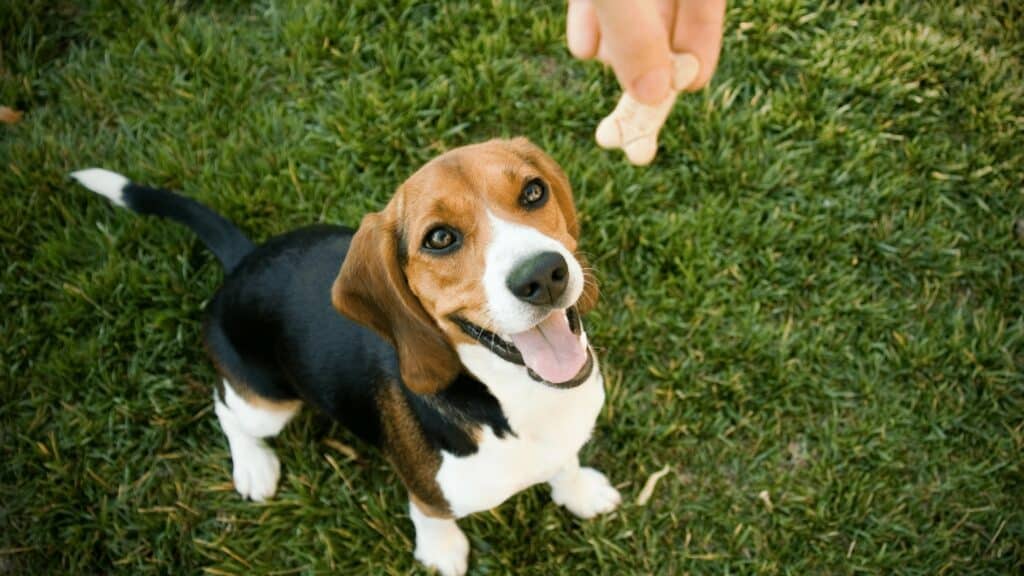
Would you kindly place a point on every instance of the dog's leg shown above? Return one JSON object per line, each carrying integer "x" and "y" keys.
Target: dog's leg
{"x": 440, "y": 544}
{"x": 584, "y": 491}
{"x": 246, "y": 423}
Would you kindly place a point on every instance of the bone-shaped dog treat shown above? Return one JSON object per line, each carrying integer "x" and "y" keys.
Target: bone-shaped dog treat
{"x": 634, "y": 127}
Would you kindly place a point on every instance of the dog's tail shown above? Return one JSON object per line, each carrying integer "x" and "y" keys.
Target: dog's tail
{"x": 226, "y": 241}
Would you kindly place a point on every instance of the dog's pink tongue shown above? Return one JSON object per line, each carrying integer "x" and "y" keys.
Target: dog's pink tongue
{"x": 551, "y": 349}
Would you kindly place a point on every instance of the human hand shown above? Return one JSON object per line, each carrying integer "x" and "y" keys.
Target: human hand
{"x": 638, "y": 37}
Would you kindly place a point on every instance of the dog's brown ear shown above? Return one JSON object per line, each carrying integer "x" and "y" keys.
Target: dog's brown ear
{"x": 372, "y": 290}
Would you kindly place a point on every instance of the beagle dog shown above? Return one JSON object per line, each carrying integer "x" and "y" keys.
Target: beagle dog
{"x": 459, "y": 349}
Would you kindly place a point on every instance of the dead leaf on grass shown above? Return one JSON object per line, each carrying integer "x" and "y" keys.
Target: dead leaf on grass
{"x": 648, "y": 490}
{"x": 9, "y": 115}
{"x": 345, "y": 449}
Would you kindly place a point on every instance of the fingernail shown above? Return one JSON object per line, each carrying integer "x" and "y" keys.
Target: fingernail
{"x": 652, "y": 87}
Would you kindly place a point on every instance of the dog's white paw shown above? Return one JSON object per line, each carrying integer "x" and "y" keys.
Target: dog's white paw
{"x": 444, "y": 548}
{"x": 256, "y": 470}
{"x": 586, "y": 494}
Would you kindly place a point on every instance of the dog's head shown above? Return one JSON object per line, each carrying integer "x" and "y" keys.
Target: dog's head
{"x": 478, "y": 247}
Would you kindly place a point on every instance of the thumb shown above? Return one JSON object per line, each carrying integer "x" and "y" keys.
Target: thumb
{"x": 635, "y": 43}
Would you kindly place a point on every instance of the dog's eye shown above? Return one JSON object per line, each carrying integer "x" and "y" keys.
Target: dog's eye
{"x": 534, "y": 194}
{"x": 441, "y": 239}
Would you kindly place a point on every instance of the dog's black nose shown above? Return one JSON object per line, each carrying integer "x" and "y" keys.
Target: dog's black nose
{"x": 539, "y": 279}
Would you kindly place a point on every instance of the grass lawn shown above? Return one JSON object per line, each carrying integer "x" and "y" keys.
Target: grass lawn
{"x": 812, "y": 303}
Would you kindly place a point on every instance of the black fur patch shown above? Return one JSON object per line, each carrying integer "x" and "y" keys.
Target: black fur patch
{"x": 449, "y": 417}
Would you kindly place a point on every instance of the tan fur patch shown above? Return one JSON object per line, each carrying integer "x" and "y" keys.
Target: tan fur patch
{"x": 250, "y": 396}
{"x": 258, "y": 401}
{"x": 407, "y": 449}
{"x": 429, "y": 510}
{"x": 255, "y": 400}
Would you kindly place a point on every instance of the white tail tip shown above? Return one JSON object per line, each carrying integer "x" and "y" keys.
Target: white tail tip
{"x": 103, "y": 182}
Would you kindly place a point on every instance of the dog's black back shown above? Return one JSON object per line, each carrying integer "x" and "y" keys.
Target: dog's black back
{"x": 271, "y": 327}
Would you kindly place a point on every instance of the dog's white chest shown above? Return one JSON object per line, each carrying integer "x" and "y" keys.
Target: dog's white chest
{"x": 549, "y": 425}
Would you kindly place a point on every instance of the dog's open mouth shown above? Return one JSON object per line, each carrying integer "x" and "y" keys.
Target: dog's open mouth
{"x": 551, "y": 351}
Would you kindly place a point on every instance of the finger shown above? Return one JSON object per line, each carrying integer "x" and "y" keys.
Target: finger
{"x": 635, "y": 43}
{"x": 667, "y": 12}
{"x": 698, "y": 30}
{"x": 581, "y": 31}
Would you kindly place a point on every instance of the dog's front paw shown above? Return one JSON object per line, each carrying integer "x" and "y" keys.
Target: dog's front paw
{"x": 444, "y": 548}
{"x": 256, "y": 470}
{"x": 587, "y": 494}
